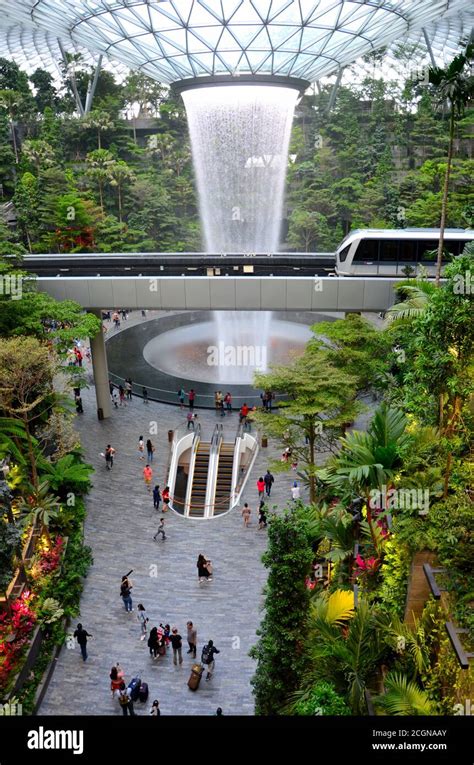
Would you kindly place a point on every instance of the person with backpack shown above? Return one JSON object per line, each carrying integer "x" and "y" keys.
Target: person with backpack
{"x": 109, "y": 457}
{"x": 125, "y": 592}
{"x": 207, "y": 658}
{"x": 81, "y": 636}
{"x": 143, "y": 620}
{"x": 156, "y": 497}
{"x": 125, "y": 701}
{"x": 177, "y": 644}
{"x": 269, "y": 481}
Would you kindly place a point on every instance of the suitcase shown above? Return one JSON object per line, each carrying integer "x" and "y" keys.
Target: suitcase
{"x": 195, "y": 677}
{"x": 162, "y": 649}
{"x": 134, "y": 688}
{"x": 143, "y": 693}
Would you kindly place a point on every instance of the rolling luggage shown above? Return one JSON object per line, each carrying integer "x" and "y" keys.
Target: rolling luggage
{"x": 134, "y": 688}
{"x": 143, "y": 692}
{"x": 195, "y": 677}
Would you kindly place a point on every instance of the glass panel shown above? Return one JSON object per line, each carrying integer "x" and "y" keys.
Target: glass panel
{"x": 425, "y": 250}
{"x": 389, "y": 250}
{"x": 343, "y": 253}
{"x": 407, "y": 252}
{"x": 367, "y": 250}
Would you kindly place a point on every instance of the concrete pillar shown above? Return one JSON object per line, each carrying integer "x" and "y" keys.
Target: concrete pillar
{"x": 101, "y": 370}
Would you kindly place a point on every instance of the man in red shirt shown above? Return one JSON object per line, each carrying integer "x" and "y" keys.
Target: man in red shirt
{"x": 244, "y": 412}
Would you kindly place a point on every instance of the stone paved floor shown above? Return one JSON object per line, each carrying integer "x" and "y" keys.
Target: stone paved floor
{"x": 119, "y": 527}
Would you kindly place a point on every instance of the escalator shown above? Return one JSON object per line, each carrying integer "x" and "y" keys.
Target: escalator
{"x": 199, "y": 486}
{"x": 224, "y": 478}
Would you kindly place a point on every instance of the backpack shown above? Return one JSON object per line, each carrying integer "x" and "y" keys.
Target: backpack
{"x": 124, "y": 590}
{"x": 206, "y": 656}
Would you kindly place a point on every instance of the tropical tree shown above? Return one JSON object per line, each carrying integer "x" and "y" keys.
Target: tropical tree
{"x": 11, "y": 101}
{"x": 120, "y": 174}
{"x": 66, "y": 475}
{"x": 454, "y": 86}
{"x": 403, "y": 697}
{"x": 414, "y": 300}
{"x": 100, "y": 164}
{"x": 39, "y": 153}
{"x": 100, "y": 121}
{"x": 40, "y": 507}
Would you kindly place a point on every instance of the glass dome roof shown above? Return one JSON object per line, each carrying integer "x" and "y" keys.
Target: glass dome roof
{"x": 172, "y": 40}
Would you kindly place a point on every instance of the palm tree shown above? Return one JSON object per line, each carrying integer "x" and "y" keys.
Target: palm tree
{"x": 40, "y": 507}
{"x": 39, "y": 153}
{"x": 403, "y": 697}
{"x": 100, "y": 121}
{"x": 415, "y": 300}
{"x": 121, "y": 173}
{"x": 368, "y": 460}
{"x": 11, "y": 431}
{"x": 67, "y": 474}
{"x": 454, "y": 86}
{"x": 100, "y": 164}
{"x": 10, "y": 100}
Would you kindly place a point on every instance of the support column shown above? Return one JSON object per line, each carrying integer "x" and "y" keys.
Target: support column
{"x": 101, "y": 370}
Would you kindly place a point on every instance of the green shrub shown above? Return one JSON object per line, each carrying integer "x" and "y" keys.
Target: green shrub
{"x": 322, "y": 700}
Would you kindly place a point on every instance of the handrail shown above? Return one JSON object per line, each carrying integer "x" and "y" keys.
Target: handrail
{"x": 216, "y": 442}
{"x": 192, "y": 462}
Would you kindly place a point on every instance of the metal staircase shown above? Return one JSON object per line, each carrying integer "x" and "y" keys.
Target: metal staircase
{"x": 224, "y": 478}
{"x": 199, "y": 486}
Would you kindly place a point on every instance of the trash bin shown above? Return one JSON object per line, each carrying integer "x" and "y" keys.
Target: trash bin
{"x": 264, "y": 441}
{"x": 100, "y": 413}
{"x": 170, "y": 435}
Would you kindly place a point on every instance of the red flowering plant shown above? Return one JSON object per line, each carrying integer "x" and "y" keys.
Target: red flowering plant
{"x": 50, "y": 558}
{"x": 15, "y": 629}
{"x": 365, "y": 567}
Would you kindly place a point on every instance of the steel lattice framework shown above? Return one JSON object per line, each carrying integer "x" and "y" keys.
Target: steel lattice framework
{"x": 172, "y": 40}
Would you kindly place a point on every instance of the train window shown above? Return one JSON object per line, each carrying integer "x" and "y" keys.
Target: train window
{"x": 427, "y": 250}
{"x": 407, "y": 251}
{"x": 389, "y": 250}
{"x": 343, "y": 253}
{"x": 368, "y": 249}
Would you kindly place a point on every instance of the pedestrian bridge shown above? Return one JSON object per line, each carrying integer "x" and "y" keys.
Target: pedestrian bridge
{"x": 220, "y": 293}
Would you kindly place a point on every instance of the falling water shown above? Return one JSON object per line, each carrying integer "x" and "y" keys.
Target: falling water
{"x": 240, "y": 136}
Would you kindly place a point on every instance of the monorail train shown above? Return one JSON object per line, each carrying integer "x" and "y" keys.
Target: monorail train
{"x": 397, "y": 252}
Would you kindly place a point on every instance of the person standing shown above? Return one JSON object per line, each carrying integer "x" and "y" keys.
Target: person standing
{"x": 191, "y": 398}
{"x": 246, "y": 512}
{"x": 81, "y": 636}
{"x": 116, "y": 679}
{"x": 191, "y": 638}
{"x": 207, "y": 658}
{"x": 141, "y": 447}
{"x": 156, "y": 497}
{"x": 153, "y": 642}
{"x": 125, "y": 701}
{"x": 126, "y": 593}
{"x": 115, "y": 397}
{"x": 228, "y": 402}
{"x": 269, "y": 480}
{"x": 147, "y": 476}
{"x": 145, "y": 395}
{"x": 155, "y": 709}
{"x": 181, "y": 395}
{"x": 142, "y": 619}
{"x": 161, "y": 530}
{"x": 109, "y": 457}
{"x": 191, "y": 418}
{"x": 202, "y": 567}
{"x": 128, "y": 388}
{"x": 149, "y": 450}
{"x": 166, "y": 499}
{"x": 295, "y": 491}
{"x": 177, "y": 644}
{"x": 260, "y": 487}
{"x": 244, "y": 410}
{"x": 122, "y": 396}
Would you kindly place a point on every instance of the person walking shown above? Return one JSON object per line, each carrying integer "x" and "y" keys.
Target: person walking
{"x": 126, "y": 592}
{"x": 115, "y": 397}
{"x": 244, "y": 410}
{"x": 262, "y": 516}
{"x": 142, "y": 619}
{"x": 166, "y": 499}
{"x": 191, "y": 419}
{"x": 145, "y": 395}
{"x": 246, "y": 512}
{"x": 191, "y": 398}
{"x": 116, "y": 678}
{"x": 153, "y": 642}
{"x": 228, "y": 402}
{"x": 177, "y": 644}
{"x": 155, "y": 709}
{"x": 203, "y": 568}
{"x": 269, "y": 481}
{"x": 191, "y": 636}
{"x": 181, "y": 396}
{"x": 81, "y": 636}
{"x": 207, "y": 658}
{"x": 295, "y": 491}
{"x": 141, "y": 447}
{"x": 122, "y": 395}
{"x": 125, "y": 701}
{"x": 149, "y": 450}
{"x": 156, "y": 497}
{"x": 128, "y": 388}
{"x": 109, "y": 457}
{"x": 261, "y": 487}
{"x": 147, "y": 476}
{"x": 161, "y": 530}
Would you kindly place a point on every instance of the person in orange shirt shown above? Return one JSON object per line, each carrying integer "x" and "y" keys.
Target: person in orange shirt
{"x": 147, "y": 475}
